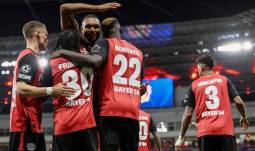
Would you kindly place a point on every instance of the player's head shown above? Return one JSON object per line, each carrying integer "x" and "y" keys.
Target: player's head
{"x": 36, "y": 32}
{"x": 111, "y": 28}
{"x": 205, "y": 63}
{"x": 91, "y": 27}
{"x": 69, "y": 40}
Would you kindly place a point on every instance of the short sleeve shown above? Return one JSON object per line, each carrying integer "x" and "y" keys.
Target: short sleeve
{"x": 27, "y": 68}
{"x": 189, "y": 98}
{"x": 232, "y": 90}
{"x": 101, "y": 48}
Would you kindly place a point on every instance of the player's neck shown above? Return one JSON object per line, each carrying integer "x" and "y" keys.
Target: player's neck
{"x": 33, "y": 46}
{"x": 115, "y": 35}
{"x": 207, "y": 72}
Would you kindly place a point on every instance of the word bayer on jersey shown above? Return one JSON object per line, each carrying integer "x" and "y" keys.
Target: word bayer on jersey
{"x": 78, "y": 102}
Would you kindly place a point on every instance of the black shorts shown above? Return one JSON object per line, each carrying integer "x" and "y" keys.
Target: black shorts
{"x": 217, "y": 143}
{"x": 27, "y": 141}
{"x": 83, "y": 140}
{"x": 118, "y": 131}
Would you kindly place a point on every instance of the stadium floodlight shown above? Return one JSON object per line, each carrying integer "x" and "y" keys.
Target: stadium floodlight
{"x": 230, "y": 47}
{"x": 247, "y": 45}
{"x": 43, "y": 62}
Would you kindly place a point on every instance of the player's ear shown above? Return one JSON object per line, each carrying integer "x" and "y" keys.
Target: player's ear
{"x": 37, "y": 32}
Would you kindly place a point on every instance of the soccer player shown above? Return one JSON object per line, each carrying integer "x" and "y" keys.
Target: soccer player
{"x": 210, "y": 97}
{"x": 147, "y": 126}
{"x": 27, "y": 95}
{"x": 90, "y": 28}
{"x": 120, "y": 64}
{"x": 74, "y": 121}
{"x": 90, "y": 32}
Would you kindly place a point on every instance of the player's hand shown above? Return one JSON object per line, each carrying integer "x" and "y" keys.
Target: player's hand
{"x": 244, "y": 123}
{"x": 62, "y": 90}
{"x": 179, "y": 143}
{"x": 143, "y": 89}
{"x": 108, "y": 6}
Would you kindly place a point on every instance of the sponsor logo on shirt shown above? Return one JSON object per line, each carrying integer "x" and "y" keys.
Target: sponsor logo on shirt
{"x": 96, "y": 48}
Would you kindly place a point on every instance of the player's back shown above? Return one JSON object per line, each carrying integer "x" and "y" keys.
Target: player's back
{"x": 144, "y": 132}
{"x": 212, "y": 106}
{"x": 120, "y": 80}
{"x": 75, "y": 112}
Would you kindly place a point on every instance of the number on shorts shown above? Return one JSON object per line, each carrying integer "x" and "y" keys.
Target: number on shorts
{"x": 213, "y": 98}
{"x": 122, "y": 61}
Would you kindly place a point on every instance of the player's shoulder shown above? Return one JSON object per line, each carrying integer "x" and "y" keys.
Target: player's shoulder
{"x": 27, "y": 56}
{"x": 224, "y": 78}
{"x": 27, "y": 53}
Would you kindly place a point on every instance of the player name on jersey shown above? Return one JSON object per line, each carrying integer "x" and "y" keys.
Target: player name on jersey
{"x": 218, "y": 80}
{"x": 66, "y": 65}
{"x": 127, "y": 50}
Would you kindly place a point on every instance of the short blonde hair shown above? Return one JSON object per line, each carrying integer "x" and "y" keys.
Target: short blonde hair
{"x": 30, "y": 27}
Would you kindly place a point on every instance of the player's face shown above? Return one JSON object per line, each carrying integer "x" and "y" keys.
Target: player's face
{"x": 42, "y": 36}
{"x": 91, "y": 28}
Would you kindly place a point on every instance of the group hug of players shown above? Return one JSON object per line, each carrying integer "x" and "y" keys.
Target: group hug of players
{"x": 95, "y": 85}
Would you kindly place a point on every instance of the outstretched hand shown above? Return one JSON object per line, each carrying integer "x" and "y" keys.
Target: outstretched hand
{"x": 108, "y": 6}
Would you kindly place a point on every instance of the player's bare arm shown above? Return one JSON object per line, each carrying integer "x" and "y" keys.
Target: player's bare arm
{"x": 93, "y": 61}
{"x": 157, "y": 140}
{"x": 68, "y": 10}
{"x": 186, "y": 119}
{"x": 60, "y": 89}
{"x": 244, "y": 124}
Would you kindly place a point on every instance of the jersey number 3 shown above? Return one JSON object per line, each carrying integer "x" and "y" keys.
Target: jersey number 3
{"x": 213, "y": 99}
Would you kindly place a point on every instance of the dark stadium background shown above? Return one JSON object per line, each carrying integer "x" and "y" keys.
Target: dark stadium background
{"x": 197, "y": 27}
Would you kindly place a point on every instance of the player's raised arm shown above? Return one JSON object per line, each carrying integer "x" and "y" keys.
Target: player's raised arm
{"x": 68, "y": 10}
